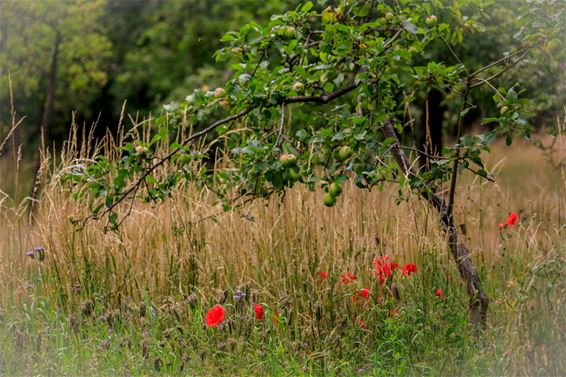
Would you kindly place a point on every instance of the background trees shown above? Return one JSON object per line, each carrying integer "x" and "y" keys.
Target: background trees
{"x": 56, "y": 56}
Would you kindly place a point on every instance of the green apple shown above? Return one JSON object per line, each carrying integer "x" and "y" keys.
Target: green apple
{"x": 344, "y": 153}
{"x": 294, "y": 174}
{"x": 334, "y": 189}
{"x": 219, "y": 92}
{"x": 288, "y": 160}
{"x": 431, "y": 20}
{"x": 298, "y": 86}
{"x": 328, "y": 200}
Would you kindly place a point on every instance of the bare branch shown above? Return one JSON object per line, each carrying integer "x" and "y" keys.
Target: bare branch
{"x": 499, "y": 61}
{"x": 508, "y": 67}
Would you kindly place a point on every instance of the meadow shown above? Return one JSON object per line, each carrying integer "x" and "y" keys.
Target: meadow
{"x": 84, "y": 301}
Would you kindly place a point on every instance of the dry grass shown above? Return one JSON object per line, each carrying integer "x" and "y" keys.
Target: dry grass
{"x": 277, "y": 248}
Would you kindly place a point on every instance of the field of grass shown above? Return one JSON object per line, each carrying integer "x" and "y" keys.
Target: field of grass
{"x": 134, "y": 302}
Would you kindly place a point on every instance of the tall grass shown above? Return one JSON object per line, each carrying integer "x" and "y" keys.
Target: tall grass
{"x": 81, "y": 308}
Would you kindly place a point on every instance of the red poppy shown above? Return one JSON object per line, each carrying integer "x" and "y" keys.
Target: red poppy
{"x": 409, "y": 269}
{"x": 215, "y": 316}
{"x": 323, "y": 275}
{"x": 347, "y": 278}
{"x": 439, "y": 293}
{"x": 258, "y": 311}
{"x": 393, "y": 312}
{"x": 361, "y": 295}
{"x": 383, "y": 268}
{"x": 511, "y": 220}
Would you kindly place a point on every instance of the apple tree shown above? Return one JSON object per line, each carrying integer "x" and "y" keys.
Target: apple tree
{"x": 321, "y": 96}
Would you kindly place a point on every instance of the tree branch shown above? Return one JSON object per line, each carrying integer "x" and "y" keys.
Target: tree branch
{"x": 499, "y": 61}
{"x": 478, "y": 299}
{"x": 318, "y": 99}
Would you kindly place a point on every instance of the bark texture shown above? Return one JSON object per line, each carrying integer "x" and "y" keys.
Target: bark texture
{"x": 479, "y": 301}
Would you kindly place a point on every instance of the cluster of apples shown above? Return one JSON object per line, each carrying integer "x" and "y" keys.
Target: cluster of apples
{"x": 289, "y": 161}
{"x": 335, "y": 188}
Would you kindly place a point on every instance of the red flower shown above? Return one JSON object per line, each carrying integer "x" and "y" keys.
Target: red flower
{"x": 347, "y": 278}
{"x": 439, "y": 293}
{"x": 323, "y": 275}
{"x": 409, "y": 269}
{"x": 383, "y": 268}
{"x": 361, "y": 295}
{"x": 393, "y": 312}
{"x": 258, "y": 311}
{"x": 511, "y": 220}
{"x": 215, "y": 316}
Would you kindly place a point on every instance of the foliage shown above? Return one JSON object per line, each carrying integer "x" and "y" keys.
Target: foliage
{"x": 350, "y": 68}
{"x": 31, "y": 31}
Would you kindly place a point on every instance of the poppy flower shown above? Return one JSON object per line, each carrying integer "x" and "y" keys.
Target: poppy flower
{"x": 393, "y": 312}
{"x": 346, "y": 278}
{"x": 258, "y": 311}
{"x": 408, "y": 269}
{"x": 361, "y": 295}
{"x": 383, "y": 268}
{"x": 323, "y": 275}
{"x": 439, "y": 293}
{"x": 215, "y": 316}
{"x": 511, "y": 220}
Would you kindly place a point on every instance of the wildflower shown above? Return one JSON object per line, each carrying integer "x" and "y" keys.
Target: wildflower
{"x": 239, "y": 294}
{"x": 439, "y": 293}
{"x": 346, "y": 278}
{"x": 408, "y": 269}
{"x": 215, "y": 316}
{"x": 37, "y": 252}
{"x": 383, "y": 268}
{"x": 258, "y": 311}
{"x": 511, "y": 220}
{"x": 323, "y": 275}
{"x": 361, "y": 295}
{"x": 393, "y": 312}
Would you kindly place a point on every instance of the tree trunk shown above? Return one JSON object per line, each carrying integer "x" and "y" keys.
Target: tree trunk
{"x": 44, "y": 128}
{"x": 478, "y": 299}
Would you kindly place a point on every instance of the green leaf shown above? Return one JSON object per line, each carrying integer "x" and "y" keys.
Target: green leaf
{"x": 307, "y": 6}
